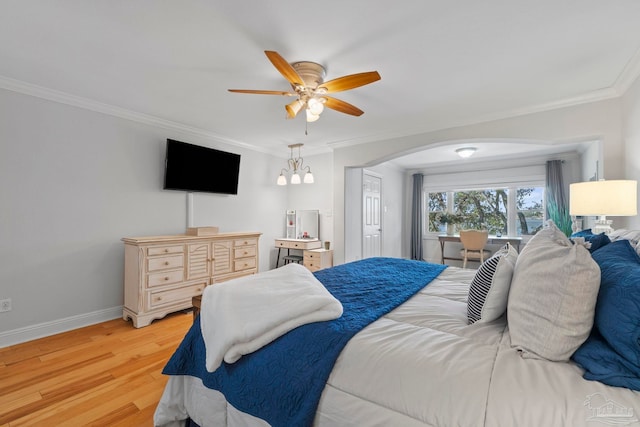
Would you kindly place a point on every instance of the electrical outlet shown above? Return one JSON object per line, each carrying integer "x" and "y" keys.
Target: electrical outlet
{"x": 5, "y": 305}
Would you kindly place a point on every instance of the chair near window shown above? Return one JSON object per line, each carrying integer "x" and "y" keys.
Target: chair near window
{"x": 473, "y": 243}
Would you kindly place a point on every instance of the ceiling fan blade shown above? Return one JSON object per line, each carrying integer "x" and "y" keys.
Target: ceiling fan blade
{"x": 350, "y": 82}
{"x": 285, "y": 68}
{"x": 263, "y": 92}
{"x": 341, "y": 106}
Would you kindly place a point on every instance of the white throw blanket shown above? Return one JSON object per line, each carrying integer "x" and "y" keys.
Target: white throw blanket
{"x": 242, "y": 315}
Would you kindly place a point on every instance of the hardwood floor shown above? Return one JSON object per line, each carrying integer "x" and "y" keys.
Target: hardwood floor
{"x": 107, "y": 374}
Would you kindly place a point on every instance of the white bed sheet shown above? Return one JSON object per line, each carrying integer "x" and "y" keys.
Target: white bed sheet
{"x": 422, "y": 365}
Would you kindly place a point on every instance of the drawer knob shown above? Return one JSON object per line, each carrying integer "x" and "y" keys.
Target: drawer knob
{"x": 166, "y": 263}
{"x": 166, "y": 250}
{"x": 246, "y": 253}
{"x": 166, "y": 278}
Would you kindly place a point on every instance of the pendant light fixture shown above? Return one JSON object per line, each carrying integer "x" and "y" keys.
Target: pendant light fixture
{"x": 295, "y": 165}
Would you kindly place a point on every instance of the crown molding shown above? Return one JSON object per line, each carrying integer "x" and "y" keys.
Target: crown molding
{"x": 629, "y": 74}
{"x": 111, "y": 110}
{"x": 593, "y": 96}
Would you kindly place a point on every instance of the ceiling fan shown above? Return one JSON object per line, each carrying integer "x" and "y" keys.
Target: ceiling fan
{"x": 310, "y": 89}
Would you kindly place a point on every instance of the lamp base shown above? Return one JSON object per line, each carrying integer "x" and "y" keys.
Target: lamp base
{"x": 602, "y": 225}
{"x": 576, "y": 224}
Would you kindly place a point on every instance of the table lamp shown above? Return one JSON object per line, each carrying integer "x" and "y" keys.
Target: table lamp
{"x": 602, "y": 198}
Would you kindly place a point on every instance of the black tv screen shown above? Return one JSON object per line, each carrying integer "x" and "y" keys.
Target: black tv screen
{"x": 191, "y": 167}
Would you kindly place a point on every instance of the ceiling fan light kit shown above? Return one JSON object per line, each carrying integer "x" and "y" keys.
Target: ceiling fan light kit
{"x": 307, "y": 81}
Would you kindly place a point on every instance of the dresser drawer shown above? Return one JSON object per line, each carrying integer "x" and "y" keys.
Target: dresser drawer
{"x": 165, "y": 278}
{"x": 312, "y": 266}
{"x": 165, "y": 250}
{"x": 165, "y": 263}
{"x": 244, "y": 252}
{"x": 309, "y": 255}
{"x": 174, "y": 296}
{"x": 245, "y": 242}
{"x": 244, "y": 264}
{"x": 298, "y": 244}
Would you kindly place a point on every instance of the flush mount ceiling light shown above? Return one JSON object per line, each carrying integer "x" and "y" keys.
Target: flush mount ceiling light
{"x": 466, "y": 152}
{"x": 294, "y": 166}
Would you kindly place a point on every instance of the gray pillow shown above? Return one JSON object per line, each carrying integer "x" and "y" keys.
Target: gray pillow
{"x": 489, "y": 288}
{"x": 553, "y": 296}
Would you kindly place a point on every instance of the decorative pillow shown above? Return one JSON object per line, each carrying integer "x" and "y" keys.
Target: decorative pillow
{"x": 489, "y": 289}
{"x": 553, "y": 296}
{"x": 596, "y": 240}
{"x": 611, "y": 354}
{"x": 618, "y": 309}
{"x": 632, "y": 235}
{"x": 601, "y": 363}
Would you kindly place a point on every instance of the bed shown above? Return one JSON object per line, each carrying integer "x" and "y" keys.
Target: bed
{"x": 435, "y": 360}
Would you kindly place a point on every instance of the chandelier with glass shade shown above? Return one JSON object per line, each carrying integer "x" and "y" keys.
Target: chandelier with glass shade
{"x": 294, "y": 166}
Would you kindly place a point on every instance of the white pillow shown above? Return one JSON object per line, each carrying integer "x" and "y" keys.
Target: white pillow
{"x": 553, "y": 296}
{"x": 489, "y": 289}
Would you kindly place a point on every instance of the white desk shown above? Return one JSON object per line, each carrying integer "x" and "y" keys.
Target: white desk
{"x": 301, "y": 244}
{"x": 444, "y": 238}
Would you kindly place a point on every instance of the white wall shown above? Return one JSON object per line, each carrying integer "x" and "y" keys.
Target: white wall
{"x": 74, "y": 182}
{"x": 316, "y": 196}
{"x": 631, "y": 131}
{"x": 593, "y": 121}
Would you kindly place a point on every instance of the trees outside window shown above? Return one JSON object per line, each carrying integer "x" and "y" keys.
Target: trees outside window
{"x": 437, "y": 205}
{"x": 482, "y": 210}
{"x": 530, "y": 210}
{"x": 508, "y": 211}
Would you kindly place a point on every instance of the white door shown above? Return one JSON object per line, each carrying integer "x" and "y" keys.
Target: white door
{"x": 371, "y": 222}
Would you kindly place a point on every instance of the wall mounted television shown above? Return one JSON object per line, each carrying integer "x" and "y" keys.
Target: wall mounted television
{"x": 190, "y": 167}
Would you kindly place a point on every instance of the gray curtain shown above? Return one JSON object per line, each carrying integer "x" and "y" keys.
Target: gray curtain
{"x": 555, "y": 185}
{"x": 416, "y": 217}
{"x": 557, "y": 207}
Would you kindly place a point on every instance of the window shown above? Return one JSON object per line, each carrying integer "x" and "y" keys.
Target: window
{"x": 437, "y": 203}
{"x": 513, "y": 211}
{"x": 483, "y": 209}
{"x": 530, "y": 211}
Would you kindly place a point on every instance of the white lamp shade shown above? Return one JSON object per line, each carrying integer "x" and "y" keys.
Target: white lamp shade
{"x": 312, "y": 117}
{"x": 282, "y": 180}
{"x": 315, "y": 106}
{"x": 295, "y": 178}
{"x": 597, "y": 198}
{"x": 308, "y": 178}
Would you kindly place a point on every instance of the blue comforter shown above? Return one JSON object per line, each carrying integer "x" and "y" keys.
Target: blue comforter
{"x": 282, "y": 382}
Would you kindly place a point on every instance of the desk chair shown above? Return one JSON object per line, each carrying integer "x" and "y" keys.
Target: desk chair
{"x": 473, "y": 243}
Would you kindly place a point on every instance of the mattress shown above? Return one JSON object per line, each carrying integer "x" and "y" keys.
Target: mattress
{"x": 423, "y": 365}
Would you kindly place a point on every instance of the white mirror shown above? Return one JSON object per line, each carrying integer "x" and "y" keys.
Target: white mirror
{"x": 303, "y": 224}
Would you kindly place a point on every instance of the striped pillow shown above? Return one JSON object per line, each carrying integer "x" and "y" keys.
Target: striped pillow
{"x": 489, "y": 290}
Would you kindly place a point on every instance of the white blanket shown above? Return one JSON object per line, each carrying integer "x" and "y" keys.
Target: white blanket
{"x": 242, "y": 315}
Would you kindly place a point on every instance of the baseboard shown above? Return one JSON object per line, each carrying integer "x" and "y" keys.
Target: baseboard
{"x": 46, "y": 329}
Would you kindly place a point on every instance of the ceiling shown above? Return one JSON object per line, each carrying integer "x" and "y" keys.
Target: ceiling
{"x": 442, "y": 63}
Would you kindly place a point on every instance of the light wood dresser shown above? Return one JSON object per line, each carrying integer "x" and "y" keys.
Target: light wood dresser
{"x": 163, "y": 273}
